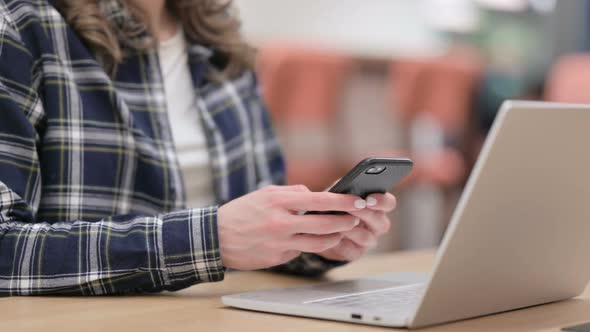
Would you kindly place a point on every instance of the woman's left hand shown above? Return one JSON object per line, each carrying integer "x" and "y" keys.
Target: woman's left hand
{"x": 374, "y": 223}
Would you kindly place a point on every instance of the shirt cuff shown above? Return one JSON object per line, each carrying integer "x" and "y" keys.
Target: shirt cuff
{"x": 191, "y": 247}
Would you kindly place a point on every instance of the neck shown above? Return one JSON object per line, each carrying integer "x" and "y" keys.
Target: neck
{"x": 161, "y": 22}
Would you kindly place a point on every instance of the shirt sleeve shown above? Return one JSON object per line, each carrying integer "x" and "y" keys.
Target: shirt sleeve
{"x": 271, "y": 169}
{"x": 116, "y": 255}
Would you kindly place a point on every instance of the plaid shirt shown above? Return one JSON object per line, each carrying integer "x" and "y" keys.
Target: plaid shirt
{"x": 91, "y": 195}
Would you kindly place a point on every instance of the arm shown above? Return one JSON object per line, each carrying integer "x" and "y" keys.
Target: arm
{"x": 117, "y": 256}
{"x": 120, "y": 254}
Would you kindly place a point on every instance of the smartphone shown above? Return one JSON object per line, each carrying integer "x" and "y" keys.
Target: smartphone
{"x": 373, "y": 175}
{"x": 370, "y": 176}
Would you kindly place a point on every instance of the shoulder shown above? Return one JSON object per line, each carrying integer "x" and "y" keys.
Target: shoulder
{"x": 239, "y": 91}
{"x": 23, "y": 39}
{"x": 28, "y": 23}
{"x": 20, "y": 13}
{"x": 213, "y": 62}
{"x": 246, "y": 83}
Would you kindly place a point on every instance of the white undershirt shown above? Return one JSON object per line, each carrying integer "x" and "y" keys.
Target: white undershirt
{"x": 187, "y": 129}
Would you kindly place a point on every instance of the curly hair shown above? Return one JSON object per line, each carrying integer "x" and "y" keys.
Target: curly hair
{"x": 212, "y": 23}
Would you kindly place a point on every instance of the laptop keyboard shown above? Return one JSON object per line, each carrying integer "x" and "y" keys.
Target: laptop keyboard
{"x": 383, "y": 300}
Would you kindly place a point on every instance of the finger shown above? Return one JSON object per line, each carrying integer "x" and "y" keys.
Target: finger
{"x": 348, "y": 251}
{"x": 376, "y": 221}
{"x": 361, "y": 236}
{"x": 314, "y": 243}
{"x": 322, "y": 223}
{"x": 381, "y": 202}
{"x": 319, "y": 201}
{"x": 294, "y": 188}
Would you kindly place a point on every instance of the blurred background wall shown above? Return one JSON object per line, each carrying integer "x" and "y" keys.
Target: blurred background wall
{"x": 348, "y": 79}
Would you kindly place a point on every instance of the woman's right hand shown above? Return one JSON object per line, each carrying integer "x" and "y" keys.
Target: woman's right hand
{"x": 263, "y": 229}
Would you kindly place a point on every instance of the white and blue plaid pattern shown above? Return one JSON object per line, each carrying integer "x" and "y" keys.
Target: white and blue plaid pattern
{"x": 91, "y": 195}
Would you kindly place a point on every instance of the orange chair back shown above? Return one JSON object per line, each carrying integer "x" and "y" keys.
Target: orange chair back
{"x": 443, "y": 86}
{"x": 569, "y": 79}
{"x": 303, "y": 86}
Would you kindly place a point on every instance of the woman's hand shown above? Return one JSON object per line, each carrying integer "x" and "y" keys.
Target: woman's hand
{"x": 263, "y": 229}
{"x": 357, "y": 241}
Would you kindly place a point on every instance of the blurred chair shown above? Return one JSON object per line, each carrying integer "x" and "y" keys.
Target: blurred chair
{"x": 303, "y": 89}
{"x": 568, "y": 79}
{"x": 444, "y": 88}
{"x": 302, "y": 86}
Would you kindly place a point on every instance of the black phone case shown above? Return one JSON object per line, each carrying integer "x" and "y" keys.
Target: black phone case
{"x": 358, "y": 182}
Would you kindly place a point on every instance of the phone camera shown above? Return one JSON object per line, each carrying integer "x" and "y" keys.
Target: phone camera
{"x": 375, "y": 170}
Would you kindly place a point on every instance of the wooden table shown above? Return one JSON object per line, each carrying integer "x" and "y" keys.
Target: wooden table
{"x": 199, "y": 308}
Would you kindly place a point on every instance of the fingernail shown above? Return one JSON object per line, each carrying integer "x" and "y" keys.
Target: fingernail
{"x": 357, "y": 221}
{"x": 360, "y": 204}
{"x": 371, "y": 201}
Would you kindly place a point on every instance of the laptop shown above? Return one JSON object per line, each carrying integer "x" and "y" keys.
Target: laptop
{"x": 519, "y": 237}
